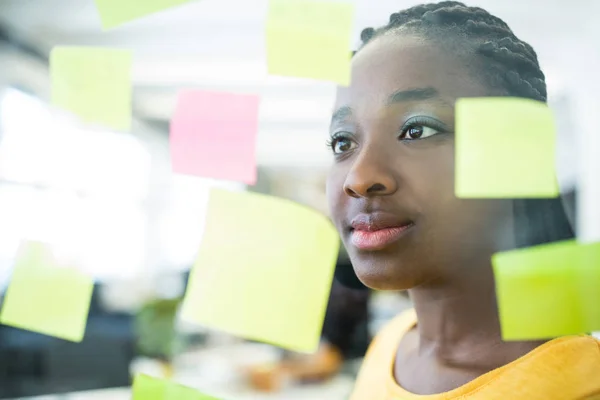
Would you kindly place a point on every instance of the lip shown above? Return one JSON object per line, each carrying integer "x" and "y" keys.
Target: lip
{"x": 377, "y": 230}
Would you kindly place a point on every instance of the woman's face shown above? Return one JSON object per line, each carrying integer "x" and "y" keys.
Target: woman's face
{"x": 391, "y": 188}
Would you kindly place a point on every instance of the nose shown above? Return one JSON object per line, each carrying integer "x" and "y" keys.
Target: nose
{"x": 371, "y": 175}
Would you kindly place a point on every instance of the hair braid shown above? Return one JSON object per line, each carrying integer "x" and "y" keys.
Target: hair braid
{"x": 509, "y": 63}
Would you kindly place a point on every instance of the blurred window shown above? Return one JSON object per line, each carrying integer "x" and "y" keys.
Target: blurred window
{"x": 80, "y": 189}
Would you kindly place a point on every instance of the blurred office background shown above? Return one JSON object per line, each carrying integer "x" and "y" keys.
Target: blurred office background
{"x": 111, "y": 196}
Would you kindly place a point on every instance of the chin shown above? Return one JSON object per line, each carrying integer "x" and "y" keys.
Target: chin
{"x": 381, "y": 275}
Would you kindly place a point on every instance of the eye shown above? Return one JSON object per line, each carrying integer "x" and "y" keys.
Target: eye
{"x": 415, "y": 132}
{"x": 341, "y": 144}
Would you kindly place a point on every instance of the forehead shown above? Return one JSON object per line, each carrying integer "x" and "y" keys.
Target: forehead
{"x": 394, "y": 62}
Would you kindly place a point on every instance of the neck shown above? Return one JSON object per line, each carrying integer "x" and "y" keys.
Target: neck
{"x": 458, "y": 322}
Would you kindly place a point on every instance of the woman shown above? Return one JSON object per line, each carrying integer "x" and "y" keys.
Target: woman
{"x": 391, "y": 193}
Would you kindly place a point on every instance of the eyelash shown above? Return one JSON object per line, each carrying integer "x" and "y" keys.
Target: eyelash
{"x": 330, "y": 143}
{"x": 421, "y": 121}
{"x": 414, "y": 122}
{"x": 331, "y": 140}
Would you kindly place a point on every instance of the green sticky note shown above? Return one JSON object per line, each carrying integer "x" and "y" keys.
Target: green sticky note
{"x": 549, "y": 290}
{"x": 148, "y": 388}
{"x": 264, "y": 270}
{"x": 117, "y": 12}
{"x": 45, "y": 297}
{"x": 505, "y": 148}
{"x": 93, "y": 83}
{"x": 310, "y": 39}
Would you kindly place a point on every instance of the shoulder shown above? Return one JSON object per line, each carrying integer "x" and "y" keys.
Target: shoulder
{"x": 385, "y": 344}
{"x": 567, "y": 368}
{"x": 376, "y": 369}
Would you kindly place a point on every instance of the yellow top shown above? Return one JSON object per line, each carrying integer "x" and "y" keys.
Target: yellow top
{"x": 566, "y": 368}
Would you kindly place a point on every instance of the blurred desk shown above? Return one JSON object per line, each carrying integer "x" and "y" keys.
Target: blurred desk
{"x": 34, "y": 364}
{"x": 336, "y": 389}
{"x": 213, "y": 371}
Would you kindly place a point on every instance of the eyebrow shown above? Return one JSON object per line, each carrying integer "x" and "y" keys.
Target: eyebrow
{"x": 340, "y": 114}
{"x": 417, "y": 94}
{"x": 413, "y": 95}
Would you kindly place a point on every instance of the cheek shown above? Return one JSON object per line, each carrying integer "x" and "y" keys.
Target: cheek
{"x": 460, "y": 223}
{"x": 434, "y": 186}
{"x": 335, "y": 193}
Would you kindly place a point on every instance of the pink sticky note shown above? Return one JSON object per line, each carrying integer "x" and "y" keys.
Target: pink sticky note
{"x": 213, "y": 135}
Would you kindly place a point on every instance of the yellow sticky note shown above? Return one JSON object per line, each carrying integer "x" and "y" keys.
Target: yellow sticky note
{"x": 93, "y": 83}
{"x": 264, "y": 270}
{"x": 505, "y": 148}
{"x": 149, "y": 388}
{"x": 45, "y": 297}
{"x": 549, "y": 290}
{"x": 310, "y": 39}
{"x": 116, "y": 12}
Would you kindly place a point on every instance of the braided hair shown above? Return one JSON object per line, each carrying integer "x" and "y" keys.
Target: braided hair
{"x": 504, "y": 63}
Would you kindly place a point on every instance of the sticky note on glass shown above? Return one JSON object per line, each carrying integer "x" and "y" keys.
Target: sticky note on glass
{"x": 213, "y": 135}
{"x": 94, "y": 84}
{"x": 549, "y": 290}
{"x": 149, "y": 388}
{"x": 310, "y": 39}
{"x": 46, "y": 297}
{"x": 505, "y": 148}
{"x": 264, "y": 270}
{"x": 117, "y": 12}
